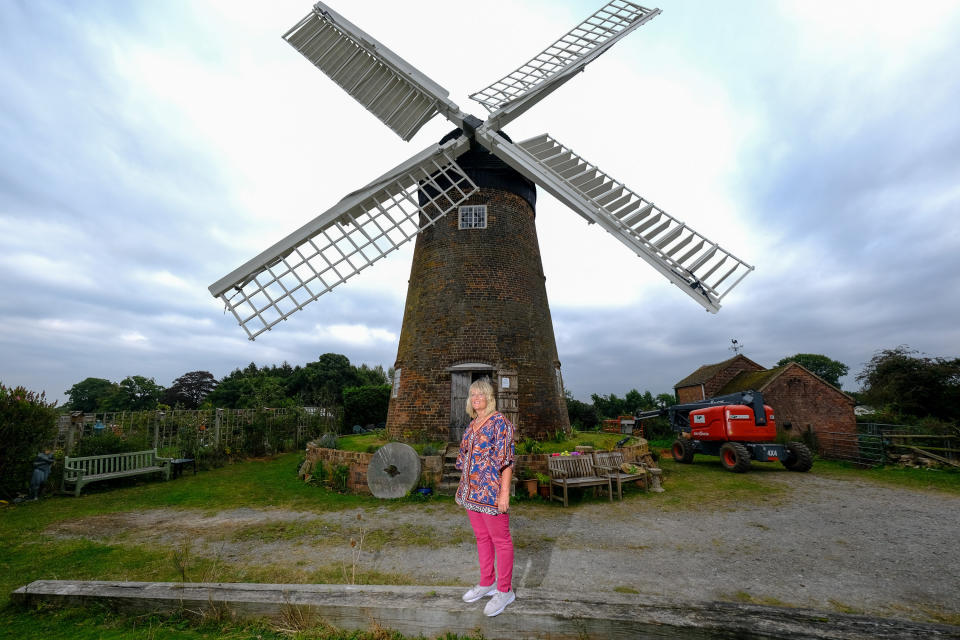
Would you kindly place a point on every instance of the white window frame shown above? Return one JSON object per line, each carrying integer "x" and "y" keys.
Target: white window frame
{"x": 396, "y": 383}
{"x": 472, "y": 216}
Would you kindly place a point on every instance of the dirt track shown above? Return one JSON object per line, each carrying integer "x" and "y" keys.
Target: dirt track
{"x": 840, "y": 545}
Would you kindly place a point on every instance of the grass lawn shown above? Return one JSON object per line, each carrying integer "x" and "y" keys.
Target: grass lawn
{"x": 28, "y": 552}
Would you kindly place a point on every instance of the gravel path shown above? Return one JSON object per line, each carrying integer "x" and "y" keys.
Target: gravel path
{"x": 832, "y": 544}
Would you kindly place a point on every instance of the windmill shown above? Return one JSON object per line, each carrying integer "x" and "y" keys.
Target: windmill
{"x": 476, "y": 303}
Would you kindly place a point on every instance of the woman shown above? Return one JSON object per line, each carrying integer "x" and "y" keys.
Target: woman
{"x": 486, "y": 465}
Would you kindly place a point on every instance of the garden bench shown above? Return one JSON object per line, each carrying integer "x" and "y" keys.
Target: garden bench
{"x": 84, "y": 470}
{"x": 609, "y": 463}
{"x": 575, "y": 472}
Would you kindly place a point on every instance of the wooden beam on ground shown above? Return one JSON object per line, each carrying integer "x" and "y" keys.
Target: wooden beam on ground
{"x": 433, "y": 611}
{"x": 933, "y": 456}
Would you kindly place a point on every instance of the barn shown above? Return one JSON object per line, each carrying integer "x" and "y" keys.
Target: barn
{"x": 803, "y": 402}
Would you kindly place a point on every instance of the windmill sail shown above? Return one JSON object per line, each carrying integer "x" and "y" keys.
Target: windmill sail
{"x": 389, "y": 87}
{"x": 519, "y": 90}
{"x": 359, "y": 230}
{"x": 701, "y": 268}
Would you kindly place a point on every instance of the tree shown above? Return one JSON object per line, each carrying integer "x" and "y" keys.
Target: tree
{"x": 190, "y": 389}
{"x": 608, "y": 406}
{"x": 372, "y": 376}
{"x": 27, "y": 424}
{"x": 830, "y": 370}
{"x": 137, "y": 393}
{"x": 240, "y": 391}
{"x": 582, "y": 416}
{"x": 365, "y": 405}
{"x": 665, "y": 400}
{"x": 90, "y": 394}
{"x": 317, "y": 383}
{"x": 900, "y": 381}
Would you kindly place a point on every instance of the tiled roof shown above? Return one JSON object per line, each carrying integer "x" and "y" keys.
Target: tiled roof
{"x": 759, "y": 380}
{"x": 751, "y": 380}
{"x": 707, "y": 371}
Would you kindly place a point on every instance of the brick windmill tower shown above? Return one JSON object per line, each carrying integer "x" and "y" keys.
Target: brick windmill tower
{"x": 476, "y": 303}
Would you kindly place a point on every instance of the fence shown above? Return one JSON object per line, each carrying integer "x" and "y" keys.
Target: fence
{"x": 248, "y": 431}
{"x": 877, "y": 444}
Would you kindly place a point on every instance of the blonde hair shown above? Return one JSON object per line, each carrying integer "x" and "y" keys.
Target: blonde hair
{"x": 484, "y": 386}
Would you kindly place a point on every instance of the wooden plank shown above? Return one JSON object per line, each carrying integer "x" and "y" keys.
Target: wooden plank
{"x": 934, "y": 456}
{"x": 431, "y": 611}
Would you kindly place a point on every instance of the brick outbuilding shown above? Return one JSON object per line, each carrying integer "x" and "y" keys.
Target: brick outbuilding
{"x": 802, "y": 401}
{"x": 706, "y": 381}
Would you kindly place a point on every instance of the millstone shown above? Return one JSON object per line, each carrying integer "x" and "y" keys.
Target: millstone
{"x": 393, "y": 471}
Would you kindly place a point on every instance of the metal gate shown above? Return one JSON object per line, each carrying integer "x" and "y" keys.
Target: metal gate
{"x": 862, "y": 449}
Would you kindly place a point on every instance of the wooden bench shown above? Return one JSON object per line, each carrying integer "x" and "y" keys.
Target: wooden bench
{"x": 575, "y": 472}
{"x": 609, "y": 462}
{"x": 82, "y": 471}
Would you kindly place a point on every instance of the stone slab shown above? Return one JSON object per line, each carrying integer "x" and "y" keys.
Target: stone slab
{"x": 433, "y": 611}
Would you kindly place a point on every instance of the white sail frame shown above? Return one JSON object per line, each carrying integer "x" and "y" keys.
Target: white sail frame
{"x": 388, "y": 86}
{"x": 338, "y": 244}
{"x": 700, "y": 268}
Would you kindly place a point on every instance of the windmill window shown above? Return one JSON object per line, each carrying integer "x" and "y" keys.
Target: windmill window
{"x": 473, "y": 216}
{"x": 396, "y": 383}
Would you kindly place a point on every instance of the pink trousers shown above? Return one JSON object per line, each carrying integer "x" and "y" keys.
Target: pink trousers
{"x": 493, "y": 539}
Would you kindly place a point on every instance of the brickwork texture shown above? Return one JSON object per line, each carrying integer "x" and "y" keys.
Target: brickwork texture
{"x": 477, "y": 296}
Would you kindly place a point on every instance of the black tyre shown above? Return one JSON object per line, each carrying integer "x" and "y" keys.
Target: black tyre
{"x": 682, "y": 451}
{"x": 799, "y": 457}
{"x": 735, "y": 457}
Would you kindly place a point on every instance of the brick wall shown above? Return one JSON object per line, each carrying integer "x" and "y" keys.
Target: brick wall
{"x": 807, "y": 403}
{"x": 693, "y": 393}
{"x": 477, "y": 295}
{"x": 431, "y": 467}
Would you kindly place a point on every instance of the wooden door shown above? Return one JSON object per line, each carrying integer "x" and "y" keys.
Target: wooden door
{"x": 459, "y": 391}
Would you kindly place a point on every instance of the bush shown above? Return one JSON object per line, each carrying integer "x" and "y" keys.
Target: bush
{"x": 108, "y": 442}
{"x": 328, "y": 441}
{"x": 340, "y": 477}
{"x": 28, "y": 423}
{"x": 366, "y": 405}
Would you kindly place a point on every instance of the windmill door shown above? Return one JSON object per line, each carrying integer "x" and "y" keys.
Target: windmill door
{"x": 459, "y": 390}
{"x": 460, "y": 381}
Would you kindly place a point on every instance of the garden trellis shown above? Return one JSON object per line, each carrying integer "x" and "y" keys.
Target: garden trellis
{"x": 249, "y": 431}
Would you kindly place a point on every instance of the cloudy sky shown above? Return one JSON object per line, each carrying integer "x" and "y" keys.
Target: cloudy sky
{"x": 148, "y": 148}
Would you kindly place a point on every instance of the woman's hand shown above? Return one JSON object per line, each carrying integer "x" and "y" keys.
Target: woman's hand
{"x": 503, "y": 501}
{"x": 503, "y": 497}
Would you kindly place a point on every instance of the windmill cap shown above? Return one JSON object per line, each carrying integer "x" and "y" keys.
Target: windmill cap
{"x": 490, "y": 172}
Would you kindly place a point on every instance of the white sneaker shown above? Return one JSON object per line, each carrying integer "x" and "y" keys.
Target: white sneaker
{"x": 479, "y": 592}
{"x": 499, "y": 602}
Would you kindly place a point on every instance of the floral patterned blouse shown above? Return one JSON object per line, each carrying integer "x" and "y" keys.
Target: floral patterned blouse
{"x": 483, "y": 456}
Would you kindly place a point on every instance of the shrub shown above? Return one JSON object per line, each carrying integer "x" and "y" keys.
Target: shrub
{"x": 28, "y": 423}
{"x": 528, "y": 446}
{"x": 366, "y": 405}
{"x": 108, "y": 442}
{"x": 430, "y": 450}
{"x": 339, "y": 477}
{"x": 328, "y": 440}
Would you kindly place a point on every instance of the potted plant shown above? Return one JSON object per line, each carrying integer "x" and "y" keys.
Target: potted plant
{"x": 529, "y": 482}
{"x": 543, "y": 483}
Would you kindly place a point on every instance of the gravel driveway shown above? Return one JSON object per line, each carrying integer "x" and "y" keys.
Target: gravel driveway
{"x": 832, "y": 544}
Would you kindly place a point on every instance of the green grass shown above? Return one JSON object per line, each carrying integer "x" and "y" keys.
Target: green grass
{"x": 95, "y": 623}
{"x": 705, "y": 484}
{"x": 28, "y": 553}
{"x": 595, "y": 439}
{"x": 370, "y": 442}
{"x": 944, "y": 480}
